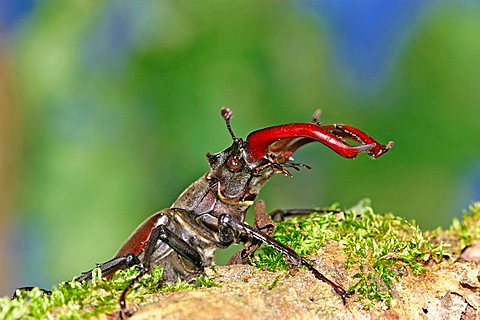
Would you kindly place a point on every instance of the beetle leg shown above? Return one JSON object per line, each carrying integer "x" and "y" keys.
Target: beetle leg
{"x": 281, "y": 215}
{"x": 110, "y": 267}
{"x": 228, "y": 225}
{"x": 176, "y": 243}
{"x": 18, "y": 291}
{"x": 123, "y": 296}
{"x": 263, "y": 223}
{"x": 162, "y": 233}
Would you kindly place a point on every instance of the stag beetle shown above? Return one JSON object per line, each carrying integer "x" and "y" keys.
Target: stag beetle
{"x": 210, "y": 213}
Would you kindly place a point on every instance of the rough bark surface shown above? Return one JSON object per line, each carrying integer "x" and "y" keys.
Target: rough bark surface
{"x": 448, "y": 290}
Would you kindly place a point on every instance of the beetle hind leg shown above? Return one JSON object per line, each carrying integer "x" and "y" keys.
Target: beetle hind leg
{"x": 110, "y": 267}
{"x": 18, "y": 292}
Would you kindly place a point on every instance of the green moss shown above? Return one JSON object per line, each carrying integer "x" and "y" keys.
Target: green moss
{"x": 81, "y": 300}
{"x": 381, "y": 248}
{"x": 467, "y": 230}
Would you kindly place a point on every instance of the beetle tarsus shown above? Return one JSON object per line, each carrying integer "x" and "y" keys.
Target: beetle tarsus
{"x": 18, "y": 291}
{"x": 338, "y": 289}
{"x": 281, "y": 215}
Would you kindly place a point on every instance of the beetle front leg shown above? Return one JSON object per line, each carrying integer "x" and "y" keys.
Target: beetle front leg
{"x": 229, "y": 225}
{"x": 263, "y": 223}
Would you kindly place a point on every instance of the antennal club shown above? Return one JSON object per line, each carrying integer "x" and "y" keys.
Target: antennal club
{"x": 316, "y": 116}
{"x": 227, "y": 114}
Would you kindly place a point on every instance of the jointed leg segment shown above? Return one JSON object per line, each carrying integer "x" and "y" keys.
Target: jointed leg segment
{"x": 228, "y": 222}
{"x": 161, "y": 233}
{"x": 110, "y": 267}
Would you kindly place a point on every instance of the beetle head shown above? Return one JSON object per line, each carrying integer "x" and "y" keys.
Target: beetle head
{"x": 245, "y": 166}
{"x": 238, "y": 178}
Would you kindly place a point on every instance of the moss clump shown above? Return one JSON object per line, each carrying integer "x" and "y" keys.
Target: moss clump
{"x": 380, "y": 247}
{"x": 81, "y": 300}
{"x": 465, "y": 232}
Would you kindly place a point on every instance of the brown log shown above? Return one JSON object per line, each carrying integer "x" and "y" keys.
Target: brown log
{"x": 447, "y": 290}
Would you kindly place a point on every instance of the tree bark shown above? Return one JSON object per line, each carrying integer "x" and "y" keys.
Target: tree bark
{"x": 447, "y": 290}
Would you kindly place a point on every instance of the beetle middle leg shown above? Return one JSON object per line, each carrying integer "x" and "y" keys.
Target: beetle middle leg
{"x": 228, "y": 226}
{"x": 161, "y": 233}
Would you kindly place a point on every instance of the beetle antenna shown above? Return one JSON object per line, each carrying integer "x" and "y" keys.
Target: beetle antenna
{"x": 316, "y": 116}
{"x": 227, "y": 114}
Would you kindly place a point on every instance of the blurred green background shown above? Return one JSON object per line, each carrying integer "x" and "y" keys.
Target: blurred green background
{"x": 107, "y": 109}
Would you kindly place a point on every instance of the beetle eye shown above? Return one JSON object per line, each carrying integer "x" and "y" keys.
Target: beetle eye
{"x": 234, "y": 163}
